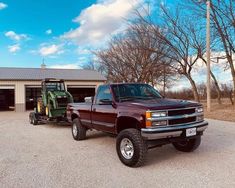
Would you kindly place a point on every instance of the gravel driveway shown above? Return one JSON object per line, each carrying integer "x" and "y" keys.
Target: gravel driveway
{"x": 47, "y": 156}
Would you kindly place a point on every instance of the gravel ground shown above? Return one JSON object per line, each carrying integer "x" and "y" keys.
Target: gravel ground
{"x": 47, "y": 156}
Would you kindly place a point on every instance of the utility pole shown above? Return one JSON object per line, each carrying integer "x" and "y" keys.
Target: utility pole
{"x": 208, "y": 56}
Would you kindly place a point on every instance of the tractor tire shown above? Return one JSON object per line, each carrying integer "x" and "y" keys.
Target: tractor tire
{"x": 40, "y": 107}
{"x": 78, "y": 130}
{"x": 131, "y": 148}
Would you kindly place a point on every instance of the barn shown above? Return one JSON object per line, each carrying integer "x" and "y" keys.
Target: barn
{"x": 20, "y": 87}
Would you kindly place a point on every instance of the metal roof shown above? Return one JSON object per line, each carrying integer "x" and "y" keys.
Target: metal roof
{"x": 42, "y": 73}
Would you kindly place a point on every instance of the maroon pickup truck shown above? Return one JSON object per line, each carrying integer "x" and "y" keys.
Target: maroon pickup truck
{"x": 141, "y": 118}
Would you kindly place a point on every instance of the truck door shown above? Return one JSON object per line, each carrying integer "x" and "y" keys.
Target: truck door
{"x": 103, "y": 113}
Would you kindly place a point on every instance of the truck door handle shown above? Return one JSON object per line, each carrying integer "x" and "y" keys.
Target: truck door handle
{"x": 94, "y": 110}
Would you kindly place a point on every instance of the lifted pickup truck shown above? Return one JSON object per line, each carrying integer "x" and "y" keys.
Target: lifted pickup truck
{"x": 141, "y": 118}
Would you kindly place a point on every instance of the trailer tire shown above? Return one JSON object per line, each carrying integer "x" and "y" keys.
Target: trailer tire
{"x": 34, "y": 120}
{"x": 31, "y": 118}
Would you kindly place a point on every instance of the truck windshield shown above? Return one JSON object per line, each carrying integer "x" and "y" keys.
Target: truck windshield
{"x": 55, "y": 86}
{"x": 128, "y": 92}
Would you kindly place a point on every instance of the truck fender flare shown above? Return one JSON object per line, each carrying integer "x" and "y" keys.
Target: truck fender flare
{"x": 74, "y": 115}
{"x": 124, "y": 122}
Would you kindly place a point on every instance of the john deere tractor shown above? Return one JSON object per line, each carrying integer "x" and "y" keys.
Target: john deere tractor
{"x": 52, "y": 103}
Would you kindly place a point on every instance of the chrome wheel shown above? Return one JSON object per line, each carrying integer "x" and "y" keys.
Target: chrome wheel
{"x": 75, "y": 130}
{"x": 127, "y": 148}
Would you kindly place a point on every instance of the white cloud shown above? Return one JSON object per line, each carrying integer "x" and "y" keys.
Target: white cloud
{"x": 65, "y": 66}
{"x": 219, "y": 67}
{"x": 180, "y": 85}
{"x": 101, "y": 20}
{"x": 2, "y": 5}
{"x": 51, "y": 50}
{"x": 14, "y": 48}
{"x": 49, "y": 31}
{"x": 14, "y": 36}
{"x": 83, "y": 51}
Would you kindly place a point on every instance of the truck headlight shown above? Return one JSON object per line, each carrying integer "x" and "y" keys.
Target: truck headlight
{"x": 159, "y": 114}
{"x": 199, "y": 109}
{"x": 159, "y": 123}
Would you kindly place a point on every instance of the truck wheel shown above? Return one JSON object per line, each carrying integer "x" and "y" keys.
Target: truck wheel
{"x": 188, "y": 145}
{"x": 131, "y": 148}
{"x": 78, "y": 130}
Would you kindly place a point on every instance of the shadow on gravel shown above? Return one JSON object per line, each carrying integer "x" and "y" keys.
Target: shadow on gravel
{"x": 99, "y": 134}
{"x": 55, "y": 125}
{"x": 160, "y": 154}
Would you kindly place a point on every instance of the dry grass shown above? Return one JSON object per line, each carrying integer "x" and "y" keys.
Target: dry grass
{"x": 225, "y": 111}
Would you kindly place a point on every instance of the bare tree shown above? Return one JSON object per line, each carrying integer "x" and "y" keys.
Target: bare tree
{"x": 187, "y": 41}
{"x": 223, "y": 23}
{"x": 199, "y": 44}
{"x": 176, "y": 34}
{"x": 89, "y": 66}
{"x": 129, "y": 59}
{"x": 227, "y": 92}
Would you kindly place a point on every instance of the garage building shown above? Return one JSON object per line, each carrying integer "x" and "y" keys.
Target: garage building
{"x": 20, "y": 87}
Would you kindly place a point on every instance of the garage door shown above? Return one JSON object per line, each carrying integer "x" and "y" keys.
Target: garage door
{"x": 80, "y": 92}
{"x": 32, "y": 93}
{"x": 7, "y": 98}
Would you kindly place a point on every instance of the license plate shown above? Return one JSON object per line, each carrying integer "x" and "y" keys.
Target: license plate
{"x": 191, "y": 132}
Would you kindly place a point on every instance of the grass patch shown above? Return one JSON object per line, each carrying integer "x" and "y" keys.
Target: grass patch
{"x": 225, "y": 111}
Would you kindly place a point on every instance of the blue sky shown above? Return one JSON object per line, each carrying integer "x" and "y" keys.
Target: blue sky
{"x": 32, "y": 30}
{"x": 61, "y": 32}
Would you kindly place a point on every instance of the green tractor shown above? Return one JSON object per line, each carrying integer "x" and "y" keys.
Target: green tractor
{"x": 52, "y": 103}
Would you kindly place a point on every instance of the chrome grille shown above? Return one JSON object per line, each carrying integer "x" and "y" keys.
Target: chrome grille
{"x": 182, "y": 120}
{"x": 177, "y": 116}
{"x": 181, "y": 111}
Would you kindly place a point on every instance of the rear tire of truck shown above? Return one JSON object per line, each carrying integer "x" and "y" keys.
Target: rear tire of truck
{"x": 131, "y": 148}
{"x": 78, "y": 130}
{"x": 188, "y": 145}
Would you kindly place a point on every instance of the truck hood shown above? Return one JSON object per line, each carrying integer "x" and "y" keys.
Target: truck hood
{"x": 160, "y": 104}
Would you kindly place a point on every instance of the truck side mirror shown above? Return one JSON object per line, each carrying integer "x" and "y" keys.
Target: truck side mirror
{"x": 89, "y": 99}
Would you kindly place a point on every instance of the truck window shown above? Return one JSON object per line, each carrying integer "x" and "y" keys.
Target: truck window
{"x": 55, "y": 86}
{"x": 124, "y": 92}
{"x": 103, "y": 93}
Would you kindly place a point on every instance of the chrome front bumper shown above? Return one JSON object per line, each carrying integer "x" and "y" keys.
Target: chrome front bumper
{"x": 171, "y": 131}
